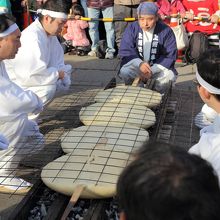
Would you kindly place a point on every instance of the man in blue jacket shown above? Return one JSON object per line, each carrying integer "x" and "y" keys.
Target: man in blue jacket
{"x": 148, "y": 49}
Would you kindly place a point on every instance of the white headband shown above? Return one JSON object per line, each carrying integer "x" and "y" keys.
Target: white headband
{"x": 11, "y": 29}
{"x": 206, "y": 85}
{"x": 3, "y": 10}
{"x": 53, "y": 14}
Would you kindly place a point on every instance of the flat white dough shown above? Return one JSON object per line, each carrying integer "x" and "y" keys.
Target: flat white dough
{"x": 117, "y": 114}
{"x": 97, "y": 169}
{"x": 120, "y": 139}
{"x": 130, "y": 95}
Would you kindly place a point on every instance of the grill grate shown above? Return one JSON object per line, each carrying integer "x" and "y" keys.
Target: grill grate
{"x": 178, "y": 125}
{"x": 174, "y": 123}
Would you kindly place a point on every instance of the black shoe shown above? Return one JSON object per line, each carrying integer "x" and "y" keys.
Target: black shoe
{"x": 73, "y": 52}
{"x": 81, "y": 53}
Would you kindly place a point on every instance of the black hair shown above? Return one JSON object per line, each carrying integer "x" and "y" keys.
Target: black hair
{"x": 5, "y": 21}
{"x": 77, "y": 10}
{"x": 208, "y": 67}
{"x": 56, "y": 5}
{"x": 167, "y": 183}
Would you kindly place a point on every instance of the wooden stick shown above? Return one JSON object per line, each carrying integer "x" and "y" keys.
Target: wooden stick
{"x": 74, "y": 198}
{"x": 136, "y": 81}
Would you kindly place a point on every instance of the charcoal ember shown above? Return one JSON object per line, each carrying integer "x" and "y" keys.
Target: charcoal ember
{"x": 112, "y": 211}
{"x": 35, "y": 210}
{"x": 78, "y": 211}
{"x": 43, "y": 210}
{"x": 39, "y": 211}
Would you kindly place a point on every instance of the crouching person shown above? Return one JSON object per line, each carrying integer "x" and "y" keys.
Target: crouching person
{"x": 208, "y": 86}
{"x": 148, "y": 49}
{"x": 167, "y": 183}
{"x": 21, "y": 136}
{"x": 39, "y": 64}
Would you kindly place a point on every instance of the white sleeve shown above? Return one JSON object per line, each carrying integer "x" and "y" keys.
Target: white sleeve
{"x": 57, "y": 59}
{"x": 14, "y": 100}
{"x": 3, "y": 142}
{"x": 31, "y": 65}
{"x": 217, "y": 13}
{"x": 195, "y": 149}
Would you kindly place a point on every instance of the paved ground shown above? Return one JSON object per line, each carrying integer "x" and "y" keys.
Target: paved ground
{"x": 90, "y": 75}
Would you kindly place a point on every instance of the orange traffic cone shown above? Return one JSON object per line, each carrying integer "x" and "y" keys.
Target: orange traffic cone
{"x": 174, "y": 18}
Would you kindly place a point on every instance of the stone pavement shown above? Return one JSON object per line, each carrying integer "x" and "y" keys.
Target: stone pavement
{"x": 90, "y": 75}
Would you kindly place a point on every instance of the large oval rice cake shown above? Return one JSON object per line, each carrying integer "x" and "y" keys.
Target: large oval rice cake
{"x": 121, "y": 139}
{"x": 117, "y": 114}
{"x": 130, "y": 95}
{"x": 97, "y": 169}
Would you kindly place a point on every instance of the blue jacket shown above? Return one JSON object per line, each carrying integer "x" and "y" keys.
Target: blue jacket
{"x": 163, "y": 46}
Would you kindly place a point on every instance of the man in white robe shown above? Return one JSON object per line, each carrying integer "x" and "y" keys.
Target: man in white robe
{"x": 23, "y": 135}
{"x": 208, "y": 76}
{"x": 39, "y": 64}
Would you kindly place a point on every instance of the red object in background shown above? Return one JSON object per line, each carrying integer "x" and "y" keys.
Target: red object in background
{"x": 174, "y": 19}
{"x": 27, "y": 19}
{"x": 180, "y": 56}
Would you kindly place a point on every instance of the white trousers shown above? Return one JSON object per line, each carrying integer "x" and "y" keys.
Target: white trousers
{"x": 24, "y": 139}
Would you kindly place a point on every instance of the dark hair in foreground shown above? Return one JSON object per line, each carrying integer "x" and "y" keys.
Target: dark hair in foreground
{"x": 168, "y": 183}
{"x": 5, "y": 21}
{"x": 208, "y": 67}
{"x": 57, "y": 5}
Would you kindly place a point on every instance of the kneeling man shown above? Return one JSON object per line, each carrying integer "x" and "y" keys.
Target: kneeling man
{"x": 39, "y": 64}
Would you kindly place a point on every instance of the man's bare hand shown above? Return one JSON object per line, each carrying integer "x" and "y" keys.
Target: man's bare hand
{"x": 214, "y": 19}
{"x": 61, "y": 74}
{"x": 145, "y": 70}
{"x": 189, "y": 16}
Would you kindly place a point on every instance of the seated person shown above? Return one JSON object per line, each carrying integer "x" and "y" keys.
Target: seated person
{"x": 203, "y": 9}
{"x": 21, "y": 136}
{"x": 167, "y": 183}
{"x": 208, "y": 75}
{"x": 148, "y": 49}
{"x": 39, "y": 64}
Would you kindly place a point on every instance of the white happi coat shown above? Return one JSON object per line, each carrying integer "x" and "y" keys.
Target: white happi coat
{"x": 14, "y": 108}
{"x": 208, "y": 146}
{"x": 37, "y": 63}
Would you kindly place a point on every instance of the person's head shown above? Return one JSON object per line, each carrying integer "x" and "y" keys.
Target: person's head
{"x": 9, "y": 37}
{"x": 77, "y": 10}
{"x": 208, "y": 77}
{"x": 53, "y": 15}
{"x": 167, "y": 183}
{"x": 147, "y": 15}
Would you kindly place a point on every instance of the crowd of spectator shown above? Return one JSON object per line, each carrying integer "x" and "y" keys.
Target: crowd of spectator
{"x": 191, "y": 11}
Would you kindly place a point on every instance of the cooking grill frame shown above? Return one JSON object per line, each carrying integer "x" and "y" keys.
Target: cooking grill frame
{"x": 23, "y": 209}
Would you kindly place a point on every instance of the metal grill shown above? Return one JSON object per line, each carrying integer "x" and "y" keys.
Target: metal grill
{"x": 178, "y": 126}
{"x": 174, "y": 125}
